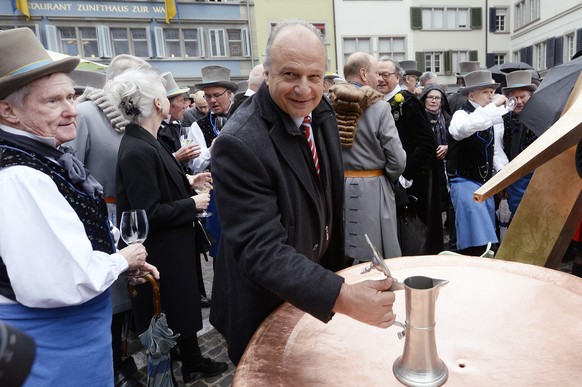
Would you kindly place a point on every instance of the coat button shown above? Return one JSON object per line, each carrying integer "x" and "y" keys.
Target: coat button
{"x": 315, "y": 246}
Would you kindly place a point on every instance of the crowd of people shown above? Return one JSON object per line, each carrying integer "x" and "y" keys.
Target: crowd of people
{"x": 303, "y": 166}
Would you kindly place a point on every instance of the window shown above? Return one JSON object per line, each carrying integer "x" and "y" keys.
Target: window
{"x": 498, "y": 59}
{"x": 445, "y": 18}
{"x": 89, "y": 42}
{"x": 516, "y": 56}
{"x": 570, "y": 46}
{"x": 392, "y": 46}
{"x": 540, "y": 50}
{"x": 500, "y": 20}
{"x": 217, "y": 43}
{"x": 192, "y": 47}
{"x": 526, "y": 11}
{"x": 238, "y": 42}
{"x": 352, "y": 45}
{"x": 172, "y": 42}
{"x": 68, "y": 39}
{"x": 130, "y": 41}
{"x": 433, "y": 62}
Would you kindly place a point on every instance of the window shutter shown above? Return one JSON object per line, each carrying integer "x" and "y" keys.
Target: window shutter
{"x": 149, "y": 35}
{"x": 160, "y": 48}
{"x": 490, "y": 60}
{"x": 246, "y": 46}
{"x": 201, "y": 42}
{"x": 578, "y": 40}
{"x": 448, "y": 62}
{"x": 104, "y": 45}
{"x": 473, "y": 55}
{"x": 415, "y": 18}
{"x": 52, "y": 42}
{"x": 529, "y": 55}
{"x": 492, "y": 14}
{"x": 559, "y": 54}
{"x": 420, "y": 63}
{"x": 550, "y": 52}
{"x": 476, "y": 18}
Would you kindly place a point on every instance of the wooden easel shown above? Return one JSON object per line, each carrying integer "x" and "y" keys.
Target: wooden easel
{"x": 551, "y": 208}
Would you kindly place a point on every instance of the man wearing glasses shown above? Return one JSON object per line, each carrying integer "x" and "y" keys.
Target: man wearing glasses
{"x": 419, "y": 143}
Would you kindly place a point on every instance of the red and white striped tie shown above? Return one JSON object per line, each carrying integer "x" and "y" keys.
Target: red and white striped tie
{"x": 310, "y": 140}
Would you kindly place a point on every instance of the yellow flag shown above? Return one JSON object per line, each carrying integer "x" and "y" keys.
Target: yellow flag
{"x": 170, "y": 10}
{"x": 22, "y": 6}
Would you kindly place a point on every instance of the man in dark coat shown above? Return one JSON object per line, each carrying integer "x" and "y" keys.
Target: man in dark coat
{"x": 418, "y": 140}
{"x": 281, "y": 211}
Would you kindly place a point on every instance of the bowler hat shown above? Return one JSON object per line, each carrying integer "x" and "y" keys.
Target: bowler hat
{"x": 467, "y": 67}
{"x": 23, "y": 59}
{"x": 172, "y": 88}
{"x": 410, "y": 67}
{"x": 216, "y": 76}
{"x": 479, "y": 79}
{"x": 520, "y": 79}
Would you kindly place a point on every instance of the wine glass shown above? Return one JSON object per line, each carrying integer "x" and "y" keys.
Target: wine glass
{"x": 205, "y": 189}
{"x": 134, "y": 226}
{"x": 511, "y": 103}
{"x": 219, "y": 122}
{"x": 185, "y": 138}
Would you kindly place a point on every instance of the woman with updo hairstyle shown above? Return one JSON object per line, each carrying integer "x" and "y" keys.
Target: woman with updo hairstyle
{"x": 148, "y": 177}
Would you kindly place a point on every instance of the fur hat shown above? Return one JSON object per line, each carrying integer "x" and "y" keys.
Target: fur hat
{"x": 172, "y": 88}
{"x": 410, "y": 67}
{"x": 218, "y": 76}
{"x": 24, "y": 60}
{"x": 476, "y": 80}
{"x": 520, "y": 79}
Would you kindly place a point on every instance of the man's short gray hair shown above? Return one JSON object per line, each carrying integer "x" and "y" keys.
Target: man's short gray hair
{"x": 426, "y": 76}
{"x": 282, "y": 25}
{"x": 397, "y": 68}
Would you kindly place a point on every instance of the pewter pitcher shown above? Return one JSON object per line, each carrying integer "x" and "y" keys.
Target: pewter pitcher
{"x": 420, "y": 364}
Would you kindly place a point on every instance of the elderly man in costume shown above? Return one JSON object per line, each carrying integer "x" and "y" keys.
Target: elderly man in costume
{"x": 517, "y": 136}
{"x": 57, "y": 293}
{"x": 373, "y": 159}
{"x": 475, "y": 154}
{"x": 279, "y": 188}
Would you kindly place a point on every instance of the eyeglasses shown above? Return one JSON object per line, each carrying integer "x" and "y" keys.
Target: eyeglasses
{"x": 434, "y": 97}
{"x": 208, "y": 97}
{"x": 523, "y": 97}
{"x": 385, "y": 76}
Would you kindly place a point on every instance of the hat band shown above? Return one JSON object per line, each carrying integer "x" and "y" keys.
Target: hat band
{"x": 174, "y": 90}
{"x": 29, "y": 67}
{"x": 519, "y": 85}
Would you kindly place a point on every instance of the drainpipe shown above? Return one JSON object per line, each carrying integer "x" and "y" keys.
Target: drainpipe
{"x": 486, "y": 29}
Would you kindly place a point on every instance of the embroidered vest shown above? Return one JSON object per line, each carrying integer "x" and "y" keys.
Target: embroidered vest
{"x": 472, "y": 157}
{"x": 92, "y": 212}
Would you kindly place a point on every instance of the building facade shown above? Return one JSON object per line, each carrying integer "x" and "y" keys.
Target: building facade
{"x": 203, "y": 32}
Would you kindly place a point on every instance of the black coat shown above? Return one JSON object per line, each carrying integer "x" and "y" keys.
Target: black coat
{"x": 148, "y": 177}
{"x": 282, "y": 228}
{"x": 419, "y": 143}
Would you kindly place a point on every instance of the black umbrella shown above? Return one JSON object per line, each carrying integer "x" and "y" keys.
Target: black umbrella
{"x": 546, "y": 104}
{"x": 513, "y": 66}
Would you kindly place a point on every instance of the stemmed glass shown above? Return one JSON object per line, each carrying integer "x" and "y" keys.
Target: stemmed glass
{"x": 134, "y": 226}
{"x": 205, "y": 189}
{"x": 219, "y": 122}
{"x": 185, "y": 138}
{"x": 511, "y": 103}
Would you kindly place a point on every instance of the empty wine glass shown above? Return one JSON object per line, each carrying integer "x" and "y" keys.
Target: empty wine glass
{"x": 219, "y": 123}
{"x": 511, "y": 103}
{"x": 134, "y": 226}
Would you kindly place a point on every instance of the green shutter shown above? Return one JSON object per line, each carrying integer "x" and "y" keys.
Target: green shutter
{"x": 473, "y": 55}
{"x": 420, "y": 62}
{"x": 476, "y": 18}
{"x": 415, "y": 18}
{"x": 448, "y": 62}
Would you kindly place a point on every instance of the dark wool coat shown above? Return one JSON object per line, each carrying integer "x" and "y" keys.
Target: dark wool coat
{"x": 148, "y": 177}
{"x": 282, "y": 228}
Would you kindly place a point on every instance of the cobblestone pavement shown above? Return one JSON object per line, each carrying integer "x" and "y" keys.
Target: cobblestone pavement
{"x": 211, "y": 343}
